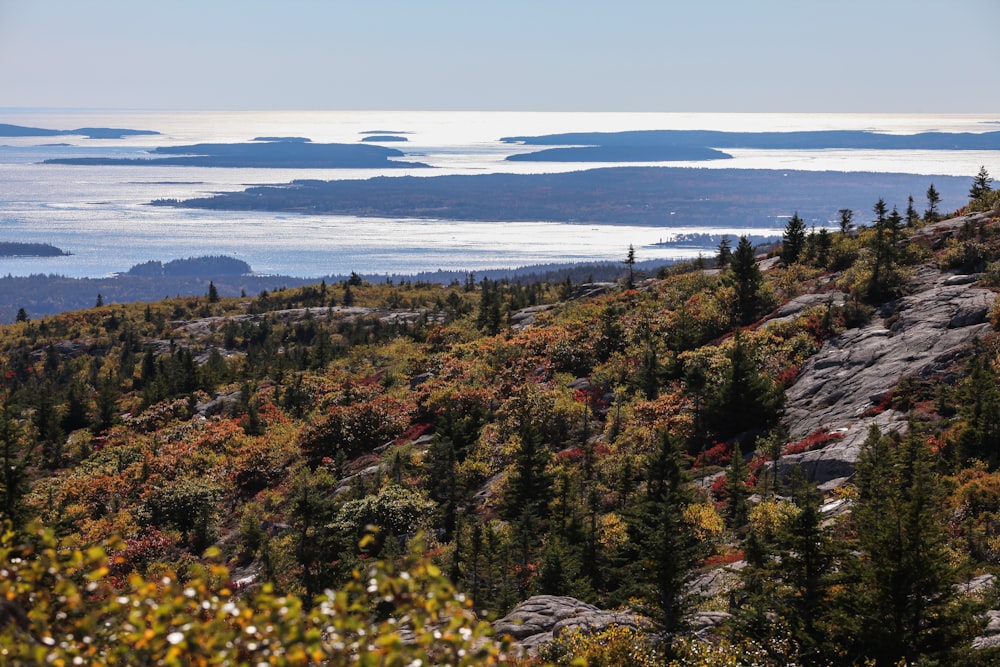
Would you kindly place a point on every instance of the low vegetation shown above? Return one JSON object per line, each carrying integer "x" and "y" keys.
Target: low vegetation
{"x": 362, "y": 473}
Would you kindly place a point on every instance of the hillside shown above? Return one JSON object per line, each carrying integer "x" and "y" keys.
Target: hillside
{"x": 781, "y": 460}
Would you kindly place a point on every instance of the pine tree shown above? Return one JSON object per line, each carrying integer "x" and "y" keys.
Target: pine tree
{"x": 846, "y": 221}
{"x": 980, "y": 185}
{"x": 737, "y": 494}
{"x": 793, "y": 240}
{"x": 901, "y": 596}
{"x": 912, "y": 218}
{"x": 663, "y": 549}
{"x": 979, "y": 398}
{"x": 213, "y": 293}
{"x": 13, "y": 458}
{"x": 630, "y": 262}
{"x": 746, "y": 399}
{"x": 933, "y": 200}
{"x": 745, "y": 276}
{"x": 22, "y": 315}
{"x": 723, "y": 254}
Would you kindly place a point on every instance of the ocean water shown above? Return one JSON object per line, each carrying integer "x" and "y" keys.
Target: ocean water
{"x": 101, "y": 213}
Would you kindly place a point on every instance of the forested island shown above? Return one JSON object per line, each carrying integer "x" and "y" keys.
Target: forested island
{"x": 89, "y": 132}
{"x": 659, "y": 196}
{"x": 664, "y": 145}
{"x": 290, "y": 153}
{"x": 13, "y": 249}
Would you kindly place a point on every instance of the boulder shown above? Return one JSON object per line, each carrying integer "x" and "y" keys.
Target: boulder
{"x": 542, "y": 618}
{"x": 840, "y": 387}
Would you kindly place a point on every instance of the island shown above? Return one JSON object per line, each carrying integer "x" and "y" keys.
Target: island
{"x": 213, "y": 265}
{"x": 89, "y": 132}
{"x": 12, "y": 249}
{"x": 300, "y": 140}
{"x": 294, "y": 154}
{"x": 622, "y": 154}
{"x": 658, "y": 196}
{"x": 644, "y": 145}
{"x": 384, "y": 138}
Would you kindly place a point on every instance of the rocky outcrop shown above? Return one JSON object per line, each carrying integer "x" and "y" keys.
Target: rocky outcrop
{"x": 841, "y": 387}
{"x": 542, "y": 618}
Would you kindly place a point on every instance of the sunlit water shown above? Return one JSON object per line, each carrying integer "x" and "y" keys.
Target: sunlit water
{"x": 101, "y": 213}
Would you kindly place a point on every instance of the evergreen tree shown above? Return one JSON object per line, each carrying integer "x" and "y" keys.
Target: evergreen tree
{"x": 933, "y": 200}
{"x": 22, "y": 315}
{"x": 824, "y": 242}
{"x": 723, "y": 254}
{"x": 846, "y": 221}
{"x": 14, "y": 459}
{"x": 745, "y": 276}
{"x": 902, "y": 600}
{"x": 979, "y": 399}
{"x": 746, "y": 399}
{"x": 912, "y": 218}
{"x": 630, "y": 262}
{"x": 980, "y": 185}
{"x": 793, "y": 240}
{"x": 213, "y": 293}
{"x": 737, "y": 494}
{"x": 883, "y": 251}
{"x": 663, "y": 549}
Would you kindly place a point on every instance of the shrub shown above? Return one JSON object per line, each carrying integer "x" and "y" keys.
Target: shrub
{"x": 615, "y": 646}
{"x": 60, "y": 608}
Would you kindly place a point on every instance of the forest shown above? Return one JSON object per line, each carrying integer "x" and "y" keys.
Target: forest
{"x": 376, "y": 473}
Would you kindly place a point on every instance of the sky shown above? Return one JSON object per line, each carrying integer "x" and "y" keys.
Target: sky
{"x": 898, "y": 56}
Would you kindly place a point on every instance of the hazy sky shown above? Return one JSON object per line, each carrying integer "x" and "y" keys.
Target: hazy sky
{"x": 579, "y": 55}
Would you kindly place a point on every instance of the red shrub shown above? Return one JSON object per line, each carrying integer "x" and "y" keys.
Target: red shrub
{"x": 718, "y": 454}
{"x": 815, "y": 440}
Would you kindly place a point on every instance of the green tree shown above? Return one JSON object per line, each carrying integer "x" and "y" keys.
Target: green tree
{"x": 979, "y": 399}
{"x": 630, "y": 263}
{"x": 980, "y": 185}
{"x": 664, "y": 548}
{"x": 846, "y": 221}
{"x": 745, "y": 276}
{"x": 912, "y": 217}
{"x": 793, "y": 240}
{"x": 902, "y": 600}
{"x": 723, "y": 253}
{"x": 13, "y": 458}
{"x": 22, "y": 315}
{"x": 213, "y": 293}
{"x": 737, "y": 493}
{"x": 746, "y": 399}
{"x": 933, "y": 201}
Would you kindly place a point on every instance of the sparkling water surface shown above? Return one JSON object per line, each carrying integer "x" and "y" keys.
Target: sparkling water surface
{"x": 101, "y": 213}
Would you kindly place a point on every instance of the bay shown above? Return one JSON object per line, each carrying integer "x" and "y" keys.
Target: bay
{"x": 101, "y": 213}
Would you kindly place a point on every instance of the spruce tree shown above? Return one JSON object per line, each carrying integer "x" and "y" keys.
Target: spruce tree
{"x": 933, "y": 200}
{"x": 745, "y": 276}
{"x": 663, "y": 549}
{"x": 793, "y": 240}
{"x": 901, "y": 597}
{"x": 723, "y": 253}
{"x": 980, "y": 185}
{"x": 746, "y": 399}
{"x": 846, "y": 221}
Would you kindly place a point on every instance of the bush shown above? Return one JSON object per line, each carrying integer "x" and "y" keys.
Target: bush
{"x": 59, "y": 607}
